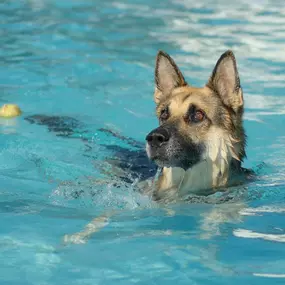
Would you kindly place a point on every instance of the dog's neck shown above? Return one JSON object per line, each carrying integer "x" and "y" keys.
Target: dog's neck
{"x": 200, "y": 179}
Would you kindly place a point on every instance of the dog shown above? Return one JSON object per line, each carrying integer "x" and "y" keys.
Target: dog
{"x": 200, "y": 143}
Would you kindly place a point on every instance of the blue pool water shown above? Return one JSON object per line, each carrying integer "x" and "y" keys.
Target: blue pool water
{"x": 92, "y": 62}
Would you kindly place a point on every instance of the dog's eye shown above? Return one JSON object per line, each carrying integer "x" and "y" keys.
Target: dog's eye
{"x": 164, "y": 114}
{"x": 197, "y": 116}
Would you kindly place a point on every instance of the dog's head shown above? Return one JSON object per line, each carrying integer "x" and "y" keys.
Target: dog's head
{"x": 197, "y": 123}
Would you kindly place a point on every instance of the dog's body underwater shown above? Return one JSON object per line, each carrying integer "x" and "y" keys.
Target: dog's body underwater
{"x": 200, "y": 142}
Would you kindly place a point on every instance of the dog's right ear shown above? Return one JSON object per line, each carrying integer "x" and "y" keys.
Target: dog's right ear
{"x": 167, "y": 76}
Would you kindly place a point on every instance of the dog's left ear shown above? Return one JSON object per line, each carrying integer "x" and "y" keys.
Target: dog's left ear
{"x": 167, "y": 76}
{"x": 225, "y": 81}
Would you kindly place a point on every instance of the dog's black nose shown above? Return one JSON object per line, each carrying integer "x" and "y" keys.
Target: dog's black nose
{"x": 157, "y": 137}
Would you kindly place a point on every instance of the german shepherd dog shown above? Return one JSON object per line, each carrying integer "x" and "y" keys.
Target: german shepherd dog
{"x": 200, "y": 142}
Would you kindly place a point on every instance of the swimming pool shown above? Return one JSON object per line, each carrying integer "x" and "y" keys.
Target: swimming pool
{"x": 89, "y": 65}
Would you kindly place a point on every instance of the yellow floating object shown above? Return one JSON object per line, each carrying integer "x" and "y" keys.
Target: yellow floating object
{"x": 10, "y": 111}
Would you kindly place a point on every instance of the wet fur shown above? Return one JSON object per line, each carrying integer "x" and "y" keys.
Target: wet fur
{"x": 216, "y": 147}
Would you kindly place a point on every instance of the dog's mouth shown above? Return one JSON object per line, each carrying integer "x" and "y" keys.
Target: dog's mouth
{"x": 163, "y": 157}
{"x": 157, "y": 157}
{"x": 161, "y": 162}
{"x": 172, "y": 155}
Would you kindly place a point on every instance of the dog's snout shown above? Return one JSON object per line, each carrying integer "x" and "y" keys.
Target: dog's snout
{"x": 157, "y": 137}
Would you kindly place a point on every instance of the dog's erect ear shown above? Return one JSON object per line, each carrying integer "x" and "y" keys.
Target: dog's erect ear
{"x": 167, "y": 76}
{"x": 225, "y": 81}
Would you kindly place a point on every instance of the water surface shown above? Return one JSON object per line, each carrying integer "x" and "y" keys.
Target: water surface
{"x": 93, "y": 62}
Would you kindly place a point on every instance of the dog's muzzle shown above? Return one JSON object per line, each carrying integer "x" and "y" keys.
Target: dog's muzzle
{"x": 157, "y": 137}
